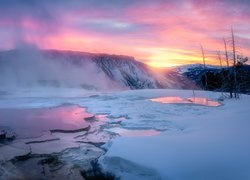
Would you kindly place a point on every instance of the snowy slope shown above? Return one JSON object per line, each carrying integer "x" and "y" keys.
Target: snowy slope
{"x": 193, "y": 74}
{"x": 126, "y": 70}
{"x": 192, "y": 67}
{"x": 122, "y": 69}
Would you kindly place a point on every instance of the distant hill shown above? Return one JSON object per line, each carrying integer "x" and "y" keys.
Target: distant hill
{"x": 33, "y": 67}
{"x": 88, "y": 70}
{"x": 218, "y": 79}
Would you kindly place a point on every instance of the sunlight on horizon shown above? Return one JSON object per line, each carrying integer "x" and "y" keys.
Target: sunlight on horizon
{"x": 158, "y": 33}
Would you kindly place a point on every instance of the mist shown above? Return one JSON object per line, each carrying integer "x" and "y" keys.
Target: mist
{"x": 29, "y": 67}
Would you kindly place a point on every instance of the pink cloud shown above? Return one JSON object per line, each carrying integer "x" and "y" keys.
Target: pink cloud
{"x": 142, "y": 29}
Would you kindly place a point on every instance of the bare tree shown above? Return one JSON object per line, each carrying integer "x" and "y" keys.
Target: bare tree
{"x": 228, "y": 78}
{"x": 233, "y": 46}
{"x": 236, "y": 95}
{"x": 204, "y": 65}
{"x": 226, "y": 52}
{"x": 221, "y": 74}
{"x": 219, "y": 57}
{"x": 231, "y": 79}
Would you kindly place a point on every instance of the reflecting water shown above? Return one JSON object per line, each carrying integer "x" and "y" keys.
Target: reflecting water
{"x": 203, "y": 101}
{"x": 168, "y": 100}
{"x": 192, "y": 100}
{"x": 31, "y": 122}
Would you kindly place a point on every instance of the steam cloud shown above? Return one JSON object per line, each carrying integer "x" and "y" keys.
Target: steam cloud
{"x": 28, "y": 66}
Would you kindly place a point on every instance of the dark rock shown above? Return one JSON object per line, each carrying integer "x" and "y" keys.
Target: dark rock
{"x": 97, "y": 174}
{"x": 70, "y": 131}
{"x": 42, "y": 141}
{"x": 91, "y": 118}
{"x": 22, "y": 158}
{"x": 2, "y": 135}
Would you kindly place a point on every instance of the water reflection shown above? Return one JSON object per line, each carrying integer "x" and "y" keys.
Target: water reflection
{"x": 31, "y": 122}
{"x": 203, "y": 101}
{"x": 192, "y": 100}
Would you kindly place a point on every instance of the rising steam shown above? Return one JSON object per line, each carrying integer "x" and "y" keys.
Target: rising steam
{"x": 28, "y": 66}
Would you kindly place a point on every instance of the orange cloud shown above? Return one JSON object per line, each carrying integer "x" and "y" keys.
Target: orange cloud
{"x": 159, "y": 33}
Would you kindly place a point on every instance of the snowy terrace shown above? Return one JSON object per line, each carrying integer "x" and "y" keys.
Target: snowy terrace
{"x": 134, "y": 137}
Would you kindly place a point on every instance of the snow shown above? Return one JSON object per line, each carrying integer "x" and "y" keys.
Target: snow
{"x": 133, "y": 132}
{"x": 157, "y": 140}
{"x": 213, "y": 144}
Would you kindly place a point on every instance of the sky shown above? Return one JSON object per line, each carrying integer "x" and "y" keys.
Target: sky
{"x": 157, "y": 32}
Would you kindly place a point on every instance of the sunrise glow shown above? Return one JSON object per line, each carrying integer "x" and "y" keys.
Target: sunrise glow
{"x": 159, "y": 33}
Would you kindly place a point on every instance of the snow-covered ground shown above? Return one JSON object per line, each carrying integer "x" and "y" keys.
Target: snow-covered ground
{"x": 199, "y": 142}
{"x": 195, "y": 142}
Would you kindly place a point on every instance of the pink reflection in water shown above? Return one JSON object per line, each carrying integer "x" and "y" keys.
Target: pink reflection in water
{"x": 192, "y": 100}
{"x": 31, "y": 122}
{"x": 203, "y": 101}
{"x": 168, "y": 100}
